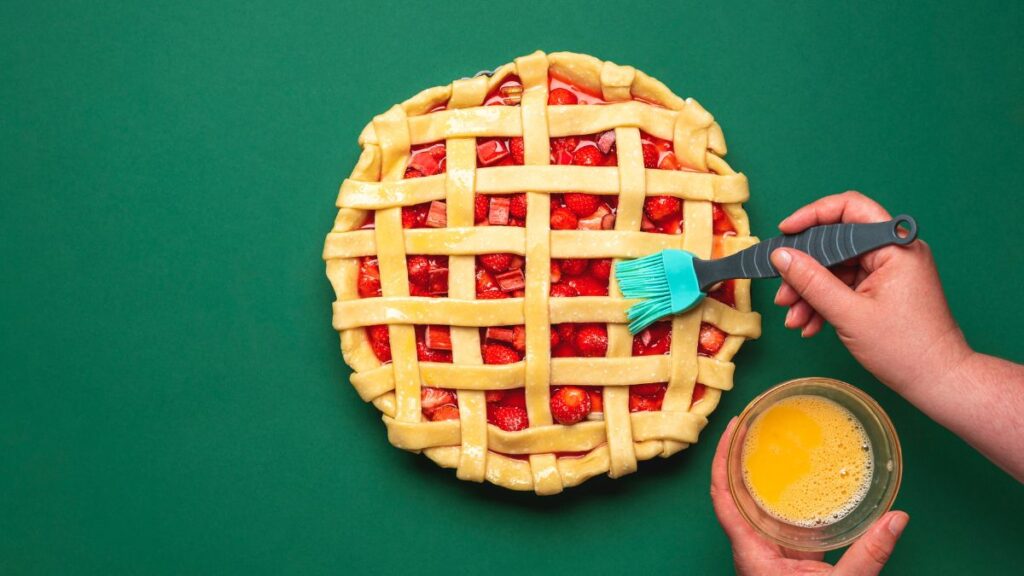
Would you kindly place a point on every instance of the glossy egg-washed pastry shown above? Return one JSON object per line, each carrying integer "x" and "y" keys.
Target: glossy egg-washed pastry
{"x": 472, "y": 255}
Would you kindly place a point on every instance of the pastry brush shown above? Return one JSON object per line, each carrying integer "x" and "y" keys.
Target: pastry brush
{"x": 672, "y": 281}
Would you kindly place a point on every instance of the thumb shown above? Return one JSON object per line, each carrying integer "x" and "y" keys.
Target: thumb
{"x": 826, "y": 293}
{"x": 869, "y": 554}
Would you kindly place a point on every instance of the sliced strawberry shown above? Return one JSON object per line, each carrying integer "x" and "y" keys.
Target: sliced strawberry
{"x": 368, "y": 282}
{"x": 415, "y": 216}
{"x": 563, "y": 219}
{"x": 493, "y": 294}
{"x": 669, "y": 162}
{"x": 517, "y": 206}
{"x": 419, "y": 270}
{"x": 431, "y": 398}
{"x": 517, "y": 151}
{"x": 565, "y": 144}
{"x": 698, "y": 393}
{"x": 644, "y": 403}
{"x": 566, "y": 331}
{"x": 445, "y": 412}
{"x": 588, "y": 156}
{"x": 495, "y": 262}
{"x": 499, "y": 211}
{"x": 427, "y": 161}
{"x": 556, "y": 272}
{"x": 509, "y": 418}
{"x": 587, "y": 286}
{"x": 573, "y": 266}
{"x": 561, "y": 158}
{"x": 481, "y": 205}
{"x": 711, "y": 339}
{"x": 411, "y": 173}
{"x": 601, "y": 268}
{"x": 720, "y": 220}
{"x": 499, "y": 354}
{"x": 555, "y": 339}
{"x": 596, "y": 398}
{"x": 650, "y": 155}
{"x": 592, "y": 340}
{"x": 380, "y": 341}
{"x": 725, "y": 293}
{"x": 492, "y": 396}
{"x": 491, "y": 151}
{"x": 561, "y": 97}
{"x": 581, "y": 204}
{"x": 515, "y": 397}
{"x": 563, "y": 291}
{"x": 661, "y": 207}
{"x": 563, "y": 350}
{"x": 570, "y": 404}
{"x": 516, "y": 262}
{"x": 438, "y": 337}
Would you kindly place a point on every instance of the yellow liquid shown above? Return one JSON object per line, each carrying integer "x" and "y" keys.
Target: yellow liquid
{"x": 807, "y": 461}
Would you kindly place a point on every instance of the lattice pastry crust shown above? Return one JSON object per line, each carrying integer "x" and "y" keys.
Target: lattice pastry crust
{"x": 529, "y": 459}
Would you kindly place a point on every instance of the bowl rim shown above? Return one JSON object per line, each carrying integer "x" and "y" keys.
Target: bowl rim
{"x": 873, "y": 406}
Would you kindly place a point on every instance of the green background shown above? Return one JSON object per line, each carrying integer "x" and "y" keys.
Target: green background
{"x": 172, "y": 398}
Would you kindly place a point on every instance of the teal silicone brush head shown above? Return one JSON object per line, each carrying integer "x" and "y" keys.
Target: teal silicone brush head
{"x": 665, "y": 283}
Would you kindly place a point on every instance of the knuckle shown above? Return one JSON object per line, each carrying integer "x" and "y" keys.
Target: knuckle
{"x": 877, "y": 552}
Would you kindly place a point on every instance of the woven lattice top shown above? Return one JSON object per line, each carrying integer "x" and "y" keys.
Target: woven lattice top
{"x": 627, "y": 108}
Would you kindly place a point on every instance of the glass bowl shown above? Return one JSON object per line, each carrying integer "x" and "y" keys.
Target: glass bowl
{"x": 887, "y": 467}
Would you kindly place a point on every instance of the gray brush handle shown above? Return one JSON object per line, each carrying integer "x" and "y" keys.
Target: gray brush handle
{"x": 829, "y": 244}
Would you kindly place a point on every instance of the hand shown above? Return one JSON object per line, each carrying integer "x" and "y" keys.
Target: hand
{"x": 887, "y": 307}
{"x": 754, "y": 555}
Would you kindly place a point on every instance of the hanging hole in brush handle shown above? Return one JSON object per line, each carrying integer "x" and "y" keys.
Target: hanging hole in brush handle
{"x": 829, "y": 244}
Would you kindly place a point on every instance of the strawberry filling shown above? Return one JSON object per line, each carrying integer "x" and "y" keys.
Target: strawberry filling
{"x": 580, "y": 277}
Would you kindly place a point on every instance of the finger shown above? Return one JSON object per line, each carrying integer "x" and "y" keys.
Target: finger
{"x": 828, "y": 295}
{"x": 848, "y": 274}
{"x": 813, "y": 326}
{"x": 744, "y": 538}
{"x": 849, "y": 206}
{"x": 799, "y": 314}
{"x": 869, "y": 554}
{"x": 786, "y": 296}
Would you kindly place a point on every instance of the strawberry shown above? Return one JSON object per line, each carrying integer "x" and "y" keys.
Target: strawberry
{"x": 438, "y": 337}
{"x": 556, "y": 272}
{"x": 493, "y": 396}
{"x": 480, "y": 207}
{"x": 596, "y": 398}
{"x": 563, "y": 291}
{"x": 415, "y": 216}
{"x": 587, "y": 286}
{"x": 427, "y": 354}
{"x": 555, "y": 339}
{"x": 581, "y": 204}
{"x": 566, "y": 331}
{"x": 656, "y": 347}
{"x": 601, "y": 268}
{"x": 368, "y": 283}
{"x": 491, "y": 294}
{"x": 720, "y": 220}
{"x": 711, "y": 339}
{"x": 516, "y": 397}
{"x": 669, "y": 162}
{"x": 563, "y": 219}
{"x": 570, "y": 404}
{"x": 499, "y": 354}
{"x": 518, "y": 153}
{"x": 438, "y": 285}
{"x": 561, "y": 97}
{"x": 725, "y": 293}
{"x": 495, "y": 262}
{"x": 565, "y": 144}
{"x": 573, "y": 266}
{"x": 490, "y": 151}
{"x": 647, "y": 389}
{"x": 509, "y": 418}
{"x": 446, "y": 412}
{"x": 650, "y": 155}
{"x": 484, "y": 281}
{"x": 431, "y": 398}
{"x": 517, "y": 262}
{"x": 698, "y": 393}
{"x": 588, "y": 156}
{"x": 660, "y": 207}
{"x": 563, "y": 350}
{"x": 644, "y": 403}
{"x": 419, "y": 270}
{"x": 380, "y": 341}
{"x": 517, "y": 208}
{"x": 592, "y": 340}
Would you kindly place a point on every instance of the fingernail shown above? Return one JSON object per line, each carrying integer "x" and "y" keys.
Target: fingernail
{"x": 789, "y": 315}
{"x": 898, "y": 523}
{"x": 782, "y": 259}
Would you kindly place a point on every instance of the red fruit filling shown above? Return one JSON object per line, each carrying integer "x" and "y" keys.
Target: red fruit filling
{"x": 725, "y": 293}
{"x": 499, "y": 276}
{"x": 509, "y": 92}
{"x": 579, "y": 277}
{"x": 428, "y": 275}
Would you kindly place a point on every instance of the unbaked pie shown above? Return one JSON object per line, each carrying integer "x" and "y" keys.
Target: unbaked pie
{"x": 472, "y": 265}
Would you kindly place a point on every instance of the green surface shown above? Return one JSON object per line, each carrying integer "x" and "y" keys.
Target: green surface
{"x": 172, "y": 399}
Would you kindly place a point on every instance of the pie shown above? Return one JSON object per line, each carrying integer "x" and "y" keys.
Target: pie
{"x": 472, "y": 259}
